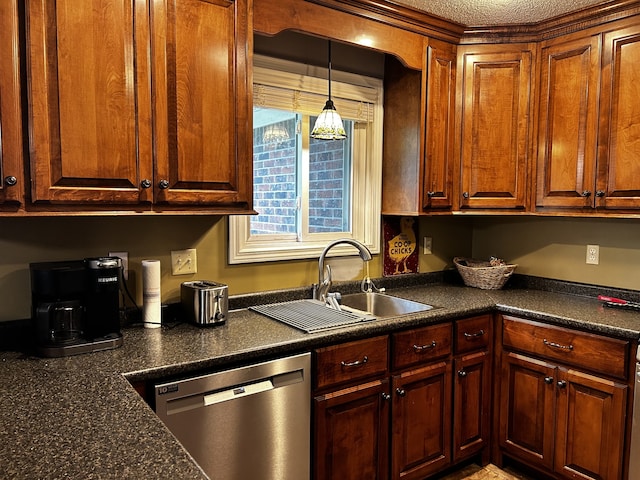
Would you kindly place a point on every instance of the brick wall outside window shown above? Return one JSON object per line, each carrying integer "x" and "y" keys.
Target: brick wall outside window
{"x": 275, "y": 179}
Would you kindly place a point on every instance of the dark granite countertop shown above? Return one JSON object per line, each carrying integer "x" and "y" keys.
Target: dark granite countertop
{"x": 79, "y": 417}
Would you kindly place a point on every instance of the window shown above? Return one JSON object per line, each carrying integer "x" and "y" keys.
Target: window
{"x": 308, "y": 192}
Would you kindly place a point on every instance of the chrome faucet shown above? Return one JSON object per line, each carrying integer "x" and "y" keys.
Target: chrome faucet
{"x": 321, "y": 289}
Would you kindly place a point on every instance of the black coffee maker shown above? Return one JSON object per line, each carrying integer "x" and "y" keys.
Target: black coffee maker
{"x": 75, "y": 305}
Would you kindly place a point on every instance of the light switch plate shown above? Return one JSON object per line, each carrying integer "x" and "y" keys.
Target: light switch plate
{"x": 184, "y": 262}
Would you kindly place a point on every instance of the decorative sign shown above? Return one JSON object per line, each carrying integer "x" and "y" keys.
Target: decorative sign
{"x": 400, "y": 245}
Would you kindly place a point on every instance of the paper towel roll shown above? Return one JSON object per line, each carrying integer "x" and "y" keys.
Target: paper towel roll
{"x": 151, "y": 304}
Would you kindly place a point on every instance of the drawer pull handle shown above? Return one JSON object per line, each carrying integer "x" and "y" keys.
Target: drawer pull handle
{"x": 357, "y": 363}
{"x": 474, "y": 335}
{"x": 557, "y": 345}
{"x": 421, "y": 348}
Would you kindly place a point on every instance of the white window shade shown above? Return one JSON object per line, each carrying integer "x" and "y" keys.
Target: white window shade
{"x": 303, "y": 93}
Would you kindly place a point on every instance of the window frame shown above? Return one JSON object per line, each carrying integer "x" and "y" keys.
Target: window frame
{"x": 366, "y": 173}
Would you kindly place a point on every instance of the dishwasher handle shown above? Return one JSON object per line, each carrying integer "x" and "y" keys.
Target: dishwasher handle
{"x": 238, "y": 392}
{"x": 235, "y": 392}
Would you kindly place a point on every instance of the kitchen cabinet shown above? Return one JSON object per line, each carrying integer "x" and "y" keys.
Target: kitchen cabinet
{"x": 587, "y": 158}
{"x": 421, "y": 401}
{"x": 472, "y": 366}
{"x": 393, "y": 407}
{"x": 133, "y": 104}
{"x": 563, "y": 399}
{"x": 351, "y": 410}
{"x": 419, "y": 133}
{"x": 496, "y": 96}
{"x": 11, "y": 144}
{"x": 440, "y": 79}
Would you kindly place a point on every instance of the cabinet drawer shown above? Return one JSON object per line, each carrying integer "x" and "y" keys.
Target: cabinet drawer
{"x": 581, "y": 349}
{"x": 421, "y": 345}
{"x": 351, "y": 361}
{"x": 473, "y": 334}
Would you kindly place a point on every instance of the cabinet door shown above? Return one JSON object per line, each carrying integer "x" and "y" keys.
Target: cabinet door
{"x": 201, "y": 55}
{"x": 496, "y": 95}
{"x": 527, "y": 399}
{"x": 89, "y": 93}
{"x": 351, "y": 433}
{"x": 618, "y": 181}
{"x": 439, "y": 125}
{"x": 421, "y": 419}
{"x": 567, "y": 123}
{"x": 471, "y": 404}
{"x": 12, "y": 185}
{"x": 590, "y": 426}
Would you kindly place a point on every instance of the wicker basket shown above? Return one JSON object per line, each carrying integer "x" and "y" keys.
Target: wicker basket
{"x": 481, "y": 274}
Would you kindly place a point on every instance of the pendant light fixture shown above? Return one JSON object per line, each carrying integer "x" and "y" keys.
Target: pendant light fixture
{"x": 328, "y": 125}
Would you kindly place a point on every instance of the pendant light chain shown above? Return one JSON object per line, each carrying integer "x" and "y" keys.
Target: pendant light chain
{"x": 328, "y": 125}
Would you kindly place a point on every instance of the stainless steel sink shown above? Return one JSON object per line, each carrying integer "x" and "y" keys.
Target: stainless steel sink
{"x": 381, "y": 304}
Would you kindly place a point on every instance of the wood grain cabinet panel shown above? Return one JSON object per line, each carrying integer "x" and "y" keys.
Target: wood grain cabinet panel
{"x": 421, "y": 436}
{"x": 567, "y": 128}
{"x": 419, "y": 128}
{"x": 588, "y": 128}
{"x": 351, "y": 438}
{"x": 89, "y": 90}
{"x": 140, "y": 103}
{"x": 590, "y": 426}
{"x": 437, "y": 190}
{"x": 495, "y": 87}
{"x": 563, "y": 420}
{"x": 200, "y": 53}
{"x": 12, "y": 185}
{"x": 618, "y": 179}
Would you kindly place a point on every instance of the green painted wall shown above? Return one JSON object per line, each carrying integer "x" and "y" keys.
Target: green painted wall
{"x": 548, "y": 247}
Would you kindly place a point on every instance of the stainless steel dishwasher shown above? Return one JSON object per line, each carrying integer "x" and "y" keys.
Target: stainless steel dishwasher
{"x": 247, "y": 423}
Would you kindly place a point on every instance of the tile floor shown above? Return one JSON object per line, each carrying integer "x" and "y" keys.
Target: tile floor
{"x": 490, "y": 472}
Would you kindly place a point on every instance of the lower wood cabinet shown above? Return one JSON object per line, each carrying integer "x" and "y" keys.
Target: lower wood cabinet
{"x": 426, "y": 410}
{"x": 564, "y": 419}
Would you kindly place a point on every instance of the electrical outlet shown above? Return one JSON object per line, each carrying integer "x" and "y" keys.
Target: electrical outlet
{"x": 593, "y": 254}
{"x": 124, "y": 256}
{"x": 183, "y": 262}
{"x": 426, "y": 245}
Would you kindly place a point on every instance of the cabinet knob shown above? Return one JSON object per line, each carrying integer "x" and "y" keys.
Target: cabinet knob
{"x": 562, "y": 384}
{"x": 146, "y": 183}
{"x": 401, "y": 392}
{"x": 10, "y": 180}
{"x": 431, "y": 194}
{"x": 465, "y": 194}
{"x": 548, "y": 380}
{"x": 386, "y": 396}
{"x": 599, "y": 193}
{"x": 586, "y": 193}
{"x": 163, "y": 184}
{"x": 462, "y": 373}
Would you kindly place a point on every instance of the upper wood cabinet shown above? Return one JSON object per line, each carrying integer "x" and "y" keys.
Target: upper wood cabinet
{"x": 419, "y": 133}
{"x": 11, "y": 146}
{"x": 567, "y": 123}
{"x": 440, "y": 85}
{"x": 588, "y": 130}
{"x": 137, "y": 103}
{"x": 618, "y": 178}
{"x": 495, "y": 95}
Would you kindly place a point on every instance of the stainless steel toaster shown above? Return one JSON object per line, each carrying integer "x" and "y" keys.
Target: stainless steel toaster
{"x": 205, "y": 302}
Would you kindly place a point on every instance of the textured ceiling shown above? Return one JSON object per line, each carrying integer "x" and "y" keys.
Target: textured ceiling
{"x": 499, "y": 12}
